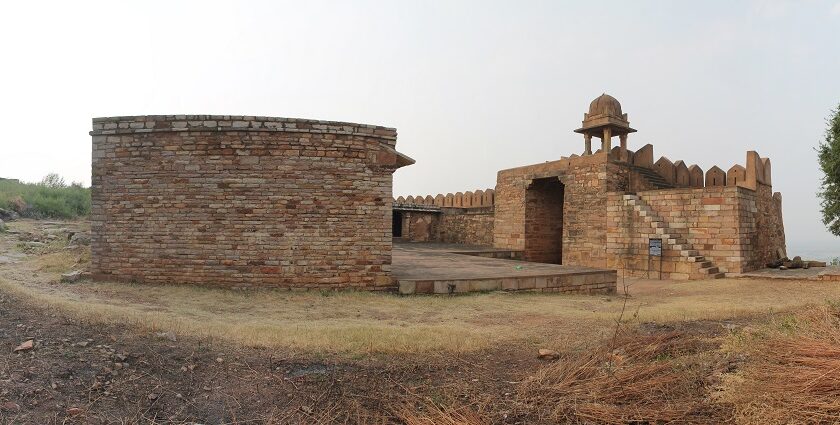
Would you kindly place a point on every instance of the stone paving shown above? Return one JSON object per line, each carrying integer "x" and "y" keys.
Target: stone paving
{"x": 448, "y": 268}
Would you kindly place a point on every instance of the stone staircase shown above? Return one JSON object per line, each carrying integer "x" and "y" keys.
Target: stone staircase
{"x": 673, "y": 239}
{"x": 653, "y": 178}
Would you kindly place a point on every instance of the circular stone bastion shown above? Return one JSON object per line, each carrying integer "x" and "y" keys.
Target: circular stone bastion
{"x": 242, "y": 201}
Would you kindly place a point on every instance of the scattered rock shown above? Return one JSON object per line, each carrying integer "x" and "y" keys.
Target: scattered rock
{"x": 8, "y": 215}
{"x": 219, "y": 360}
{"x": 81, "y": 238}
{"x": 82, "y": 343}
{"x": 58, "y": 231}
{"x": 546, "y": 354}
{"x": 74, "y": 411}
{"x": 73, "y": 276}
{"x": 166, "y": 335}
{"x": 152, "y": 396}
{"x": 25, "y": 346}
{"x": 9, "y": 406}
{"x": 2, "y": 226}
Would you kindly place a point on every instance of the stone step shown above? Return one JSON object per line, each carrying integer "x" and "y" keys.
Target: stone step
{"x": 718, "y": 275}
{"x": 674, "y": 239}
{"x": 653, "y": 178}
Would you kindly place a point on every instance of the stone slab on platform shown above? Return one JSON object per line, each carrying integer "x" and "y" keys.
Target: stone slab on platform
{"x": 830, "y": 273}
{"x": 429, "y": 268}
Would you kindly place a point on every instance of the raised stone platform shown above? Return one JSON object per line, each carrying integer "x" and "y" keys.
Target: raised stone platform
{"x": 830, "y": 273}
{"x": 431, "y": 268}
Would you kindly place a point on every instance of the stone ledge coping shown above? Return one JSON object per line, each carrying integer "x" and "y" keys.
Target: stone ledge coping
{"x": 176, "y": 123}
{"x": 415, "y": 207}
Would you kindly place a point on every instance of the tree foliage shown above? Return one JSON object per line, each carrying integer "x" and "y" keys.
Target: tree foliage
{"x": 53, "y": 180}
{"x": 51, "y": 197}
{"x": 829, "y": 158}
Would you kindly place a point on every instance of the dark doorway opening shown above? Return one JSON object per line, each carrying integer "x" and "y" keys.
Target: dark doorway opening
{"x": 396, "y": 224}
{"x": 544, "y": 221}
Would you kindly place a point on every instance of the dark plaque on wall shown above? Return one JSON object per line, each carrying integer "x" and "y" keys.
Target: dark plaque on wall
{"x": 655, "y": 247}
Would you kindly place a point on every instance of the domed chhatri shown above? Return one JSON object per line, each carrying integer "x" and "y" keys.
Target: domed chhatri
{"x": 603, "y": 121}
{"x": 605, "y": 105}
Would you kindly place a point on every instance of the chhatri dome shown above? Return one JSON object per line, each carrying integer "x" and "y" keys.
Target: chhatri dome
{"x": 605, "y": 105}
{"x": 603, "y": 121}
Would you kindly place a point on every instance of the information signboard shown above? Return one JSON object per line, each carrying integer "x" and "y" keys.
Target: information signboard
{"x": 655, "y": 247}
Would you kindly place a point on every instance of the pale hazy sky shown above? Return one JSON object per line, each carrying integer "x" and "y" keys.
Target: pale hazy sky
{"x": 472, "y": 87}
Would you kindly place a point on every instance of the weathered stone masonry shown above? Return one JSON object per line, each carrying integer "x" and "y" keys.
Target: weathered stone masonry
{"x": 242, "y": 201}
{"x": 460, "y": 218}
{"x": 601, "y": 209}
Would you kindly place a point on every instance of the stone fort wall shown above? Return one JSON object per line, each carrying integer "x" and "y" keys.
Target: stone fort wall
{"x": 612, "y": 205}
{"x": 463, "y": 226}
{"x": 242, "y": 201}
{"x": 720, "y": 222}
{"x": 464, "y": 218}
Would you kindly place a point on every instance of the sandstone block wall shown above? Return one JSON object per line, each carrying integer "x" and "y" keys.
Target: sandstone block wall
{"x": 709, "y": 220}
{"x": 420, "y": 226}
{"x": 767, "y": 234}
{"x": 464, "y": 218}
{"x": 585, "y": 186}
{"x": 464, "y": 226}
{"x": 710, "y": 230}
{"x": 473, "y": 226}
{"x": 241, "y": 201}
{"x": 734, "y": 229}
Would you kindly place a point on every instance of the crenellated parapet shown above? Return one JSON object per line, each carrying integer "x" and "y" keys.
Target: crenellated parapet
{"x": 755, "y": 171}
{"x": 470, "y": 199}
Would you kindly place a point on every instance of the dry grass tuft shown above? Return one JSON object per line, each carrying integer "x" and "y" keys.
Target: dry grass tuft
{"x": 432, "y": 414}
{"x": 645, "y": 379}
{"x": 793, "y": 372}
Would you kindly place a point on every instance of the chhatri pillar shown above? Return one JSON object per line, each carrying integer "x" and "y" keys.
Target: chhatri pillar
{"x": 605, "y": 120}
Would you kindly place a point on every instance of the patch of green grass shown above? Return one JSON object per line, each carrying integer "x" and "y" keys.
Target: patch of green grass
{"x": 48, "y": 199}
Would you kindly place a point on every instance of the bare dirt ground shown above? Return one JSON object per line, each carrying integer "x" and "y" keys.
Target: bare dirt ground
{"x": 117, "y": 353}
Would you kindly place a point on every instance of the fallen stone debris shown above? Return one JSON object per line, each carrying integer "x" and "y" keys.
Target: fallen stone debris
{"x": 73, "y": 276}
{"x": 79, "y": 238}
{"x": 797, "y": 263}
{"x": 25, "y": 346}
{"x": 8, "y": 215}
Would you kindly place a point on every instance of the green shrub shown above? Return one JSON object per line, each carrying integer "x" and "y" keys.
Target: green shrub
{"x": 49, "y": 199}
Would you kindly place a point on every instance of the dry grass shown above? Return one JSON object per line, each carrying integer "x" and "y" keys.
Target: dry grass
{"x": 793, "y": 371}
{"x": 367, "y": 323}
{"x": 646, "y": 379}
{"x": 433, "y": 414}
